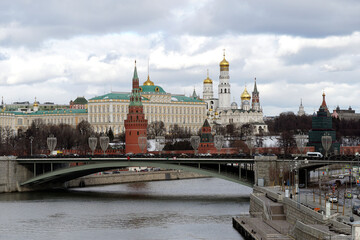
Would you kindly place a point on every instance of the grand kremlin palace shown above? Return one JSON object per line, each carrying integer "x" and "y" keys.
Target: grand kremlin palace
{"x": 110, "y": 110}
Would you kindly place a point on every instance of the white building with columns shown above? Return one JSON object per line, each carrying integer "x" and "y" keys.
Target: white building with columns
{"x": 110, "y": 110}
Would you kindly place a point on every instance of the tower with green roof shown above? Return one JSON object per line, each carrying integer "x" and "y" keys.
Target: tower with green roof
{"x": 322, "y": 125}
{"x": 135, "y": 124}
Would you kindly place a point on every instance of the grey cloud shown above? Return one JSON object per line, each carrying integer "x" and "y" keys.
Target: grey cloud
{"x": 49, "y": 19}
{"x": 310, "y": 55}
{"x": 32, "y": 22}
{"x": 301, "y": 18}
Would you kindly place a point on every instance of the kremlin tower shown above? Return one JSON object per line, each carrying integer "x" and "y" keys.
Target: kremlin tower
{"x": 135, "y": 124}
{"x": 255, "y": 99}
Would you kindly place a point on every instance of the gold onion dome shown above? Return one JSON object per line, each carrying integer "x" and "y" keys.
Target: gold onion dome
{"x": 148, "y": 82}
{"x": 35, "y": 103}
{"x": 208, "y": 80}
{"x": 245, "y": 95}
{"x": 224, "y": 63}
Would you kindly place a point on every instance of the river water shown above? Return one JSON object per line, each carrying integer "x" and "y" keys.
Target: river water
{"x": 184, "y": 209}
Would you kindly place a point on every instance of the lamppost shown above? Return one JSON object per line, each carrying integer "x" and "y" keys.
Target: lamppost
{"x": 160, "y": 143}
{"x": 31, "y": 141}
{"x": 250, "y": 144}
{"x": 282, "y": 152}
{"x": 92, "y": 143}
{"x": 142, "y": 140}
{"x": 195, "y": 142}
{"x": 51, "y": 143}
{"x": 301, "y": 142}
{"x": 351, "y": 199}
{"x": 218, "y": 142}
{"x": 104, "y": 143}
{"x": 326, "y": 142}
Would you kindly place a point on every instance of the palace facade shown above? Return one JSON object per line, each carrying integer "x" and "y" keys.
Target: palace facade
{"x": 110, "y": 110}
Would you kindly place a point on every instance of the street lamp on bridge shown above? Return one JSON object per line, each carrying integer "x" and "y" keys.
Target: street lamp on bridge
{"x": 104, "y": 143}
{"x": 31, "y": 141}
{"x": 92, "y": 143}
{"x": 218, "y": 142}
{"x": 195, "y": 142}
{"x": 51, "y": 143}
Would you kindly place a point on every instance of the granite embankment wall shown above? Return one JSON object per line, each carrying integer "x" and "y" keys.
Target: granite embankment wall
{"x": 11, "y": 174}
{"x": 305, "y": 221}
{"x": 129, "y": 177}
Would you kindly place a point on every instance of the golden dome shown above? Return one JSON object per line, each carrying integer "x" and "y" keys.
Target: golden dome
{"x": 216, "y": 113}
{"x": 224, "y": 63}
{"x": 35, "y": 103}
{"x": 148, "y": 82}
{"x": 245, "y": 95}
{"x": 208, "y": 80}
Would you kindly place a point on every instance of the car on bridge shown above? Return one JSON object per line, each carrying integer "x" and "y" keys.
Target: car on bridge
{"x": 332, "y": 198}
{"x": 348, "y": 195}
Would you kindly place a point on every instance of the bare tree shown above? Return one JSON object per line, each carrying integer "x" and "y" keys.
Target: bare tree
{"x": 156, "y": 129}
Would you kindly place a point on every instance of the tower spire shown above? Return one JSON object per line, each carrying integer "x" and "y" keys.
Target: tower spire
{"x": 323, "y": 104}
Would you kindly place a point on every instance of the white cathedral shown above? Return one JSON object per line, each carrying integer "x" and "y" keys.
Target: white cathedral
{"x": 221, "y": 111}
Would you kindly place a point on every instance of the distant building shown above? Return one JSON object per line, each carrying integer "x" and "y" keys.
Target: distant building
{"x": 322, "y": 125}
{"x": 79, "y": 103}
{"x": 345, "y": 114}
{"x": 301, "y": 111}
{"x": 20, "y": 115}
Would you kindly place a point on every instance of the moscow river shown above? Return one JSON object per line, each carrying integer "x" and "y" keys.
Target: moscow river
{"x": 184, "y": 209}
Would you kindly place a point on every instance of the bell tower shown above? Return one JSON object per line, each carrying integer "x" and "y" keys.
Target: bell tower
{"x": 224, "y": 85}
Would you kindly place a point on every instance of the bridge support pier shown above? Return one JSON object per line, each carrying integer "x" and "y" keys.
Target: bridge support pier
{"x": 11, "y": 174}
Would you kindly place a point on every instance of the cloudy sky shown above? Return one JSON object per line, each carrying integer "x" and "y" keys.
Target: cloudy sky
{"x": 58, "y": 50}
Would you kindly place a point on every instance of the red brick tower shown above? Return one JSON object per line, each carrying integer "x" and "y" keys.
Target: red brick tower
{"x": 206, "y": 138}
{"x": 135, "y": 124}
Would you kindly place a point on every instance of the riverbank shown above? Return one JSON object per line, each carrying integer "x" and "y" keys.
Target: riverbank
{"x": 273, "y": 215}
{"x": 130, "y": 177}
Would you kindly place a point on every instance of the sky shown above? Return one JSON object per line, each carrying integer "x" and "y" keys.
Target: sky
{"x": 59, "y": 50}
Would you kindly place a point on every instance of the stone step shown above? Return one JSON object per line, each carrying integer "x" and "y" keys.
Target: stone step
{"x": 277, "y": 209}
{"x": 282, "y": 226}
{"x": 278, "y": 217}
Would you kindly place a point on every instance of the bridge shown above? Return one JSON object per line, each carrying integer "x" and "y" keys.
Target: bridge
{"x": 59, "y": 170}
{"x": 20, "y": 174}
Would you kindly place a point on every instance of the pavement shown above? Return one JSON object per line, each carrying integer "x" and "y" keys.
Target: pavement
{"x": 307, "y": 197}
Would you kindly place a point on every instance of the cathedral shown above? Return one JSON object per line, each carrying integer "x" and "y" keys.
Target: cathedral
{"x": 221, "y": 111}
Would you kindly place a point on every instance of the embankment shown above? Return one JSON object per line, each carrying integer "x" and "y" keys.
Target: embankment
{"x": 129, "y": 177}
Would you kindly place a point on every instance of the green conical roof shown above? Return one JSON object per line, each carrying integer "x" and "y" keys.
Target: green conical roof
{"x": 135, "y": 72}
{"x": 206, "y": 123}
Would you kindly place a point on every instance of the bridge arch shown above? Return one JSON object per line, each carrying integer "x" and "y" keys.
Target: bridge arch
{"x": 70, "y": 173}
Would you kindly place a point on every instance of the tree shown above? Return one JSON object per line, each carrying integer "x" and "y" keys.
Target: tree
{"x": 287, "y": 141}
{"x": 246, "y": 130}
{"x": 110, "y": 134}
{"x": 156, "y": 129}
